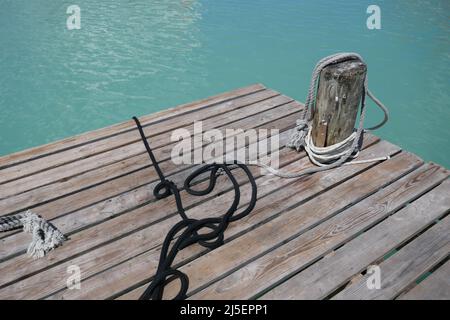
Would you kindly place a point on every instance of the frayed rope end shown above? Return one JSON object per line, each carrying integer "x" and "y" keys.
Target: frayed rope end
{"x": 46, "y": 237}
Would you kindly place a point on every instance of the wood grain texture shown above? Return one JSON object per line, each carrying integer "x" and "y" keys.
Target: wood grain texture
{"x": 97, "y": 188}
{"x": 106, "y": 174}
{"x": 79, "y": 140}
{"x": 143, "y": 240}
{"x": 127, "y": 151}
{"x": 268, "y": 205}
{"x": 283, "y": 227}
{"x": 254, "y": 278}
{"x": 87, "y": 206}
{"x": 110, "y": 207}
{"x": 338, "y": 96}
{"x": 406, "y": 266}
{"x": 137, "y": 218}
{"x": 434, "y": 287}
{"x": 330, "y": 273}
{"x": 135, "y": 178}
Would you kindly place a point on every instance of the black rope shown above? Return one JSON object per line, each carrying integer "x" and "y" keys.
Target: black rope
{"x": 189, "y": 228}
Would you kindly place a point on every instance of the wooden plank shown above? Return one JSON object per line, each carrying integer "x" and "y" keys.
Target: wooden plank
{"x": 130, "y": 136}
{"x": 250, "y": 279}
{"x": 133, "y": 189}
{"x": 89, "y": 238}
{"x": 69, "y": 223}
{"x": 118, "y": 249}
{"x": 107, "y": 173}
{"x": 434, "y": 287}
{"x": 327, "y": 275}
{"x": 266, "y": 207}
{"x": 109, "y": 197}
{"x": 126, "y": 146}
{"x": 76, "y": 141}
{"x": 62, "y": 206}
{"x": 413, "y": 260}
{"x": 134, "y": 220}
{"x": 127, "y": 247}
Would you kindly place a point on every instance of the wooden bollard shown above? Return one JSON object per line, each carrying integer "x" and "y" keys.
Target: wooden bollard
{"x": 338, "y": 96}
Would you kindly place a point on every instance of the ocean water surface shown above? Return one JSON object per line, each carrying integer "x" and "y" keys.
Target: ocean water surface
{"x": 137, "y": 57}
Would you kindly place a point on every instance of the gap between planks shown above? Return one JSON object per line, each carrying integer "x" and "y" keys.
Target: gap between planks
{"x": 420, "y": 255}
{"x": 160, "y": 234}
{"x": 278, "y": 265}
{"x": 65, "y": 220}
{"x": 327, "y": 275}
{"x": 129, "y": 152}
{"x": 435, "y": 287}
{"x": 76, "y": 141}
{"x": 129, "y": 141}
{"x": 268, "y": 212}
{"x": 26, "y": 260}
{"x": 106, "y": 174}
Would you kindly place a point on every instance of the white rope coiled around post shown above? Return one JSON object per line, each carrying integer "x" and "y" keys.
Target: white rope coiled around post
{"x": 333, "y": 156}
{"x": 45, "y": 236}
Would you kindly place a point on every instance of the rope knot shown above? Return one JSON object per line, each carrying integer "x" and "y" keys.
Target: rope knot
{"x": 163, "y": 189}
{"x": 46, "y": 237}
{"x": 299, "y": 134}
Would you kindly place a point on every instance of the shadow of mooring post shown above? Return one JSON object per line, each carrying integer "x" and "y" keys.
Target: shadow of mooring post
{"x": 338, "y": 96}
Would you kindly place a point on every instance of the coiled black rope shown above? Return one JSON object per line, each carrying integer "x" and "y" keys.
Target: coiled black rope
{"x": 189, "y": 228}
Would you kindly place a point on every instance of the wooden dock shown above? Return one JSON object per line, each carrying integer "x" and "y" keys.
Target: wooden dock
{"x": 308, "y": 238}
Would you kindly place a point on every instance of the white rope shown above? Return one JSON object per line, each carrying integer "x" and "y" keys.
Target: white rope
{"x": 320, "y": 156}
{"x": 338, "y": 154}
{"x": 46, "y": 237}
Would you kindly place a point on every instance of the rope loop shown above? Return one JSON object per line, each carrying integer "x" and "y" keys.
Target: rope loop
{"x": 162, "y": 189}
{"x": 207, "y": 232}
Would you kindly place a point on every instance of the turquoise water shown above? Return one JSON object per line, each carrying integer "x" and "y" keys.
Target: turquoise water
{"x": 137, "y": 57}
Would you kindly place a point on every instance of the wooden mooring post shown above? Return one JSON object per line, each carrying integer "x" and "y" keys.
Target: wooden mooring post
{"x": 338, "y": 96}
{"x": 97, "y": 188}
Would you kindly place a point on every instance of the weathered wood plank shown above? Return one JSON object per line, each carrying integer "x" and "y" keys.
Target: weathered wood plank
{"x": 126, "y": 224}
{"x": 110, "y": 207}
{"x": 130, "y": 146}
{"x": 109, "y": 199}
{"x": 76, "y": 141}
{"x": 252, "y": 279}
{"x": 413, "y": 260}
{"x": 97, "y": 187}
{"x": 107, "y": 173}
{"x": 257, "y": 240}
{"x": 267, "y": 207}
{"x": 127, "y": 247}
{"x": 106, "y": 192}
{"x": 69, "y": 224}
{"x": 104, "y": 197}
{"x": 128, "y": 137}
{"x": 324, "y": 277}
{"x": 434, "y": 287}
{"x": 137, "y": 218}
